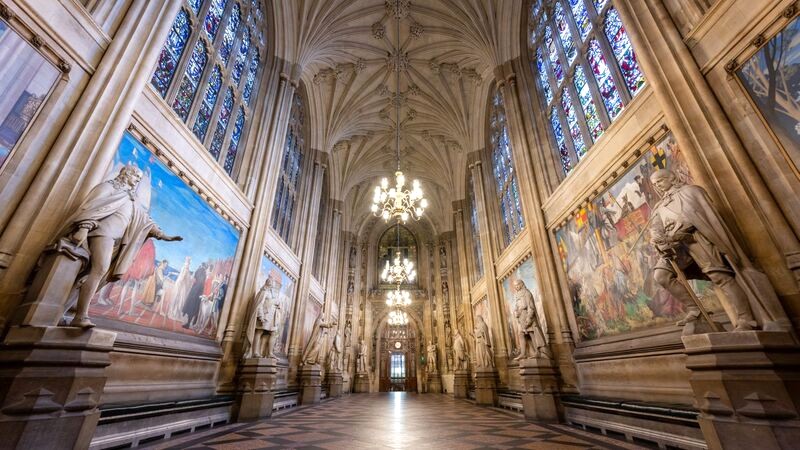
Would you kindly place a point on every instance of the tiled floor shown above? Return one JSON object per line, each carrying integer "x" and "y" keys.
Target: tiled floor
{"x": 395, "y": 420}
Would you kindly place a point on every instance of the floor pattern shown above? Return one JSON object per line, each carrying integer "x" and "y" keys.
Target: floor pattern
{"x": 394, "y": 421}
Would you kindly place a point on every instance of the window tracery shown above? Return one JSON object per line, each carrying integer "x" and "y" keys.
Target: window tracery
{"x": 477, "y": 252}
{"x": 210, "y": 53}
{"x": 571, "y": 43}
{"x": 285, "y": 204}
{"x": 505, "y": 176}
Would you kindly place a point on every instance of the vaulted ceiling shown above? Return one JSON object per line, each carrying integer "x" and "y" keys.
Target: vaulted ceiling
{"x": 348, "y": 55}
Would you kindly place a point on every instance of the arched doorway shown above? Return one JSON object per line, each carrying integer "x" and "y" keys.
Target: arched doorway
{"x": 398, "y": 359}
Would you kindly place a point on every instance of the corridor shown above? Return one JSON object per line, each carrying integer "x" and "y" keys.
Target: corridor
{"x": 395, "y": 420}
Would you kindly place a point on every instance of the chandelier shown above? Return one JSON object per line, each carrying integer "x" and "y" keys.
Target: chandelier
{"x": 398, "y": 317}
{"x": 397, "y": 201}
{"x": 398, "y": 298}
{"x": 399, "y": 272}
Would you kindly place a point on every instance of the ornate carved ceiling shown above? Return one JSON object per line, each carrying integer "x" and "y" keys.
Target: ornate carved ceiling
{"x": 448, "y": 51}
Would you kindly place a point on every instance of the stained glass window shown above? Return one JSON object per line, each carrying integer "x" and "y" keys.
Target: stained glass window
{"x": 475, "y": 228}
{"x": 191, "y": 79}
{"x": 503, "y": 167}
{"x": 291, "y": 168}
{"x": 623, "y": 51}
{"x": 222, "y": 53}
{"x": 233, "y": 147}
{"x": 171, "y": 52}
{"x": 580, "y": 111}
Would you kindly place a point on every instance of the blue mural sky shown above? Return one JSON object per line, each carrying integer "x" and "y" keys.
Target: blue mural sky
{"x": 179, "y": 210}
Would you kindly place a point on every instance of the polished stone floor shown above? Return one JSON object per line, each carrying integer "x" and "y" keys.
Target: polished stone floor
{"x": 394, "y": 420}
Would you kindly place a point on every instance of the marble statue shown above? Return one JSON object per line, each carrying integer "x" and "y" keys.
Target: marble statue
{"x": 361, "y": 361}
{"x": 263, "y": 323}
{"x": 483, "y": 344}
{"x": 431, "y": 363}
{"x": 348, "y": 330}
{"x": 352, "y": 258}
{"x": 690, "y": 235}
{"x": 335, "y": 355}
{"x": 443, "y": 257}
{"x": 315, "y": 349}
{"x": 460, "y": 349}
{"x": 113, "y": 225}
{"x": 531, "y": 336}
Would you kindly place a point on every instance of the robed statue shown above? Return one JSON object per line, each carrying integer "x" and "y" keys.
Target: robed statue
{"x": 335, "y": 354}
{"x": 361, "y": 361}
{"x": 531, "y": 336}
{"x": 460, "y": 350}
{"x": 483, "y": 344}
{"x": 315, "y": 349}
{"x": 692, "y": 238}
{"x": 263, "y": 322}
{"x": 431, "y": 360}
{"x": 113, "y": 224}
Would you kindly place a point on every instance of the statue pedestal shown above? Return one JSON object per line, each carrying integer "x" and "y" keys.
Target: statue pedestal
{"x": 333, "y": 381}
{"x": 51, "y": 381}
{"x": 362, "y": 382}
{"x": 434, "y": 383}
{"x": 310, "y": 384}
{"x": 486, "y": 386}
{"x": 747, "y": 388}
{"x": 540, "y": 380}
{"x": 47, "y": 295}
{"x": 460, "y": 383}
{"x": 254, "y": 396}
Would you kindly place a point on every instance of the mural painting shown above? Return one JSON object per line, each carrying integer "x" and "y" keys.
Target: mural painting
{"x": 285, "y": 301}
{"x": 772, "y": 78}
{"x": 313, "y": 308}
{"x": 481, "y": 308}
{"x": 25, "y": 84}
{"x": 172, "y": 286}
{"x": 527, "y": 273}
{"x": 607, "y": 257}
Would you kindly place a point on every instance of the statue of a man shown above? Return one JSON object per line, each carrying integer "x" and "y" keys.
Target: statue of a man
{"x": 263, "y": 323}
{"x": 687, "y": 230}
{"x": 460, "y": 350}
{"x": 431, "y": 366}
{"x": 113, "y": 226}
{"x": 361, "y": 361}
{"x": 335, "y": 355}
{"x": 531, "y": 336}
{"x": 483, "y": 344}
{"x": 315, "y": 349}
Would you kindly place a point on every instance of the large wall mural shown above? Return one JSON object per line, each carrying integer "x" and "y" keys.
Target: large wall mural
{"x": 772, "y": 78}
{"x": 481, "y": 308}
{"x": 173, "y": 286}
{"x": 313, "y": 310}
{"x": 25, "y": 82}
{"x": 285, "y": 301}
{"x": 527, "y": 273}
{"x": 606, "y": 253}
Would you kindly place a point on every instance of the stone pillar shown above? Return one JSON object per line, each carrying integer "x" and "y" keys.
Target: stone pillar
{"x": 51, "y": 382}
{"x": 333, "y": 381}
{"x": 310, "y": 384}
{"x": 486, "y": 386}
{"x": 747, "y": 388}
{"x": 434, "y": 383}
{"x": 254, "y": 396}
{"x": 460, "y": 383}
{"x": 539, "y": 379}
{"x": 362, "y": 382}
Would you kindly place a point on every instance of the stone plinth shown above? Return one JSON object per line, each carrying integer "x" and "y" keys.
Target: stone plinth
{"x": 310, "y": 384}
{"x": 254, "y": 396}
{"x": 47, "y": 295}
{"x": 460, "y": 383}
{"x": 434, "y": 383}
{"x": 486, "y": 386}
{"x": 333, "y": 380}
{"x": 362, "y": 382}
{"x": 51, "y": 382}
{"x": 747, "y": 388}
{"x": 540, "y": 381}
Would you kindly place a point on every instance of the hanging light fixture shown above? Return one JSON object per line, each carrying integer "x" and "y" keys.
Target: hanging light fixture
{"x": 398, "y": 298}
{"x": 399, "y": 272}
{"x": 398, "y": 317}
{"x": 398, "y": 201}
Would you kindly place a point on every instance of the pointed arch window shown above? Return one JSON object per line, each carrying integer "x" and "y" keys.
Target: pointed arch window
{"x": 291, "y": 166}
{"x": 477, "y": 251}
{"x": 505, "y": 175}
{"x": 208, "y": 51}
{"x": 586, "y": 69}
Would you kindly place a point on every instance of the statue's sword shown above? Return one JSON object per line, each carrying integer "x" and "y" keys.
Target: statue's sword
{"x": 682, "y": 279}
